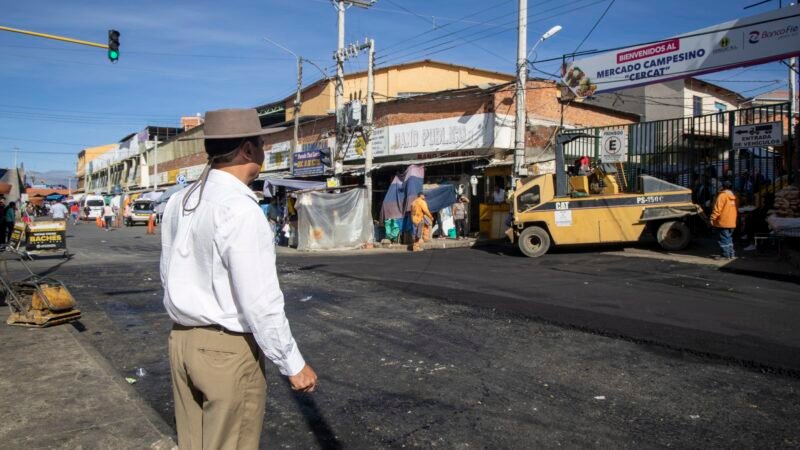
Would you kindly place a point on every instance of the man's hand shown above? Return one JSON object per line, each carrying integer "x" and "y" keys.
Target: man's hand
{"x": 305, "y": 380}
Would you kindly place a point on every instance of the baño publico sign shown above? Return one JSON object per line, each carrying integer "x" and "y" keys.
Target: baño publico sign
{"x": 753, "y": 40}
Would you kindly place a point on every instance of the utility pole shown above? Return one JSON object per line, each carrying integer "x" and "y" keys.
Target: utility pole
{"x": 155, "y": 163}
{"x": 793, "y": 68}
{"x": 297, "y": 105}
{"x": 339, "y": 56}
{"x": 298, "y": 101}
{"x": 520, "y": 170}
{"x": 369, "y": 125}
{"x": 339, "y": 87}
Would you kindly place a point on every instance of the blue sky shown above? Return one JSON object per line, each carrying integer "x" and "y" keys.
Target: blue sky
{"x": 181, "y": 58}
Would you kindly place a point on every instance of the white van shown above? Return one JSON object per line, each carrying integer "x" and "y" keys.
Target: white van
{"x": 95, "y": 204}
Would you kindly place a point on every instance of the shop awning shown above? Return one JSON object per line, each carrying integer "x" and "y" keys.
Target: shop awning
{"x": 168, "y": 193}
{"x": 288, "y": 183}
{"x": 359, "y": 169}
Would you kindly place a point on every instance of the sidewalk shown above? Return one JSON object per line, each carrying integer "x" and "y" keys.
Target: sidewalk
{"x": 58, "y": 393}
{"x": 763, "y": 265}
{"x": 381, "y": 248}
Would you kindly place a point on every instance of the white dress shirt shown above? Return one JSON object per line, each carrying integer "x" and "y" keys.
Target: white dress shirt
{"x": 218, "y": 268}
{"x": 499, "y": 196}
{"x": 59, "y": 211}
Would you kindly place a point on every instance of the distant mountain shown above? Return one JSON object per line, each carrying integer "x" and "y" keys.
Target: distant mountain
{"x": 51, "y": 177}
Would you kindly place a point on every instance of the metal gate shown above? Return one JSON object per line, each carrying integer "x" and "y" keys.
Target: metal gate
{"x": 696, "y": 152}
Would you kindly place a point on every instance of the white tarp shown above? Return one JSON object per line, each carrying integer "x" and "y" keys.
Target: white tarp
{"x": 333, "y": 221}
{"x": 753, "y": 40}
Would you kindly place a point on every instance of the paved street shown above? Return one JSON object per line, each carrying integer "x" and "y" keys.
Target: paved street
{"x": 469, "y": 348}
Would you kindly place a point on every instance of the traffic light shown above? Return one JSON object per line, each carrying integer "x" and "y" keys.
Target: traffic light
{"x": 325, "y": 156}
{"x": 113, "y": 45}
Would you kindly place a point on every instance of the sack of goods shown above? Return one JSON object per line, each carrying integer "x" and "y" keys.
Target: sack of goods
{"x": 787, "y": 202}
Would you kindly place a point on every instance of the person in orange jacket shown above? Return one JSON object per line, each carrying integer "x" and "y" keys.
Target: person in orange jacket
{"x": 723, "y": 218}
{"x": 419, "y": 212}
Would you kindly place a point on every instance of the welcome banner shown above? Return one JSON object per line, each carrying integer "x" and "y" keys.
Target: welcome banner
{"x": 753, "y": 40}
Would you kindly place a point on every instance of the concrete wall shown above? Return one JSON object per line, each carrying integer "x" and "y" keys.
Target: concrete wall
{"x": 391, "y": 82}
{"x": 710, "y": 95}
{"x": 652, "y": 102}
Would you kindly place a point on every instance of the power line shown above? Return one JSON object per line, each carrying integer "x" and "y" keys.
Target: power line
{"x": 142, "y": 52}
{"x": 452, "y": 33}
{"x": 36, "y": 152}
{"x": 599, "y": 19}
{"x": 102, "y": 113}
{"x": 484, "y": 35}
{"x": 491, "y": 52}
{"x": 71, "y": 144}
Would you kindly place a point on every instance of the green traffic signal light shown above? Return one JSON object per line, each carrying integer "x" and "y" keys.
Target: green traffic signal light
{"x": 113, "y": 45}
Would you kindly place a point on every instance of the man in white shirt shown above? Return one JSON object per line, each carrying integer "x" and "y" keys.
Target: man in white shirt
{"x": 59, "y": 211}
{"x": 221, "y": 290}
{"x": 499, "y": 195}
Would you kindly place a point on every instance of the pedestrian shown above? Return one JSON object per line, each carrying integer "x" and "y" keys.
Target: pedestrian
{"x": 419, "y": 214}
{"x": 498, "y": 195}
{"x": 160, "y": 207}
{"x": 58, "y": 211}
{"x": 74, "y": 210}
{"x": 11, "y": 218}
{"x": 221, "y": 291}
{"x": 3, "y": 223}
{"x": 108, "y": 216}
{"x": 723, "y": 219}
{"x": 460, "y": 217}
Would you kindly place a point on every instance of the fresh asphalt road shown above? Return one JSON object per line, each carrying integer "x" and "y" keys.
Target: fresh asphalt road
{"x": 479, "y": 348}
{"x": 686, "y": 307}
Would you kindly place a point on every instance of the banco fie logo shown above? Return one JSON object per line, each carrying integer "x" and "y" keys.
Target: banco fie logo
{"x": 780, "y": 33}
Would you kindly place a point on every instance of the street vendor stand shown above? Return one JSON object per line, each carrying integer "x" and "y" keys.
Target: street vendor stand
{"x": 43, "y": 238}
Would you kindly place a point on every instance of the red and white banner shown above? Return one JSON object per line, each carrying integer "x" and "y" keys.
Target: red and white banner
{"x": 753, "y": 40}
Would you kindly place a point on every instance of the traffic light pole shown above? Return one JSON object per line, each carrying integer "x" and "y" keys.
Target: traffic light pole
{"x": 54, "y": 37}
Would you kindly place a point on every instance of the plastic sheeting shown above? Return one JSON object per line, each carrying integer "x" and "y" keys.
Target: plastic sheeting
{"x": 440, "y": 197}
{"x": 402, "y": 192}
{"x": 333, "y": 221}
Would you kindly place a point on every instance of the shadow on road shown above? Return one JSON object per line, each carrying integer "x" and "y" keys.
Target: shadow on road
{"x": 316, "y": 421}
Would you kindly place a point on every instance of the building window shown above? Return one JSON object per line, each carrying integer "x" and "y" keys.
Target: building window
{"x": 721, "y": 108}
{"x": 697, "y": 106}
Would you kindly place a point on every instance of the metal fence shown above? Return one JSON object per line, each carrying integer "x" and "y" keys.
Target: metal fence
{"x": 697, "y": 151}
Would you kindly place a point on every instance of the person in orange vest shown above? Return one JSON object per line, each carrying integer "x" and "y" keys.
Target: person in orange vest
{"x": 723, "y": 218}
{"x": 419, "y": 212}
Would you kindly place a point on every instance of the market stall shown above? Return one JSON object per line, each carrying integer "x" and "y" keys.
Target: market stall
{"x": 333, "y": 221}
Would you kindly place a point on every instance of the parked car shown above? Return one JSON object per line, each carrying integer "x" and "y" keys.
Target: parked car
{"x": 140, "y": 212}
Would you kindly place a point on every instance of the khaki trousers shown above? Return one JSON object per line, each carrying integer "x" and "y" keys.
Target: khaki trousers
{"x": 219, "y": 387}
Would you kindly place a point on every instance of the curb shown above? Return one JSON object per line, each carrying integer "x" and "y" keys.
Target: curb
{"x": 167, "y": 441}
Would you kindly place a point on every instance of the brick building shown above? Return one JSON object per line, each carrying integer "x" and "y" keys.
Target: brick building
{"x": 461, "y": 136}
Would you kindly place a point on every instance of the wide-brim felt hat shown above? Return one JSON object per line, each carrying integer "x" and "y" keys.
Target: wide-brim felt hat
{"x": 230, "y": 124}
